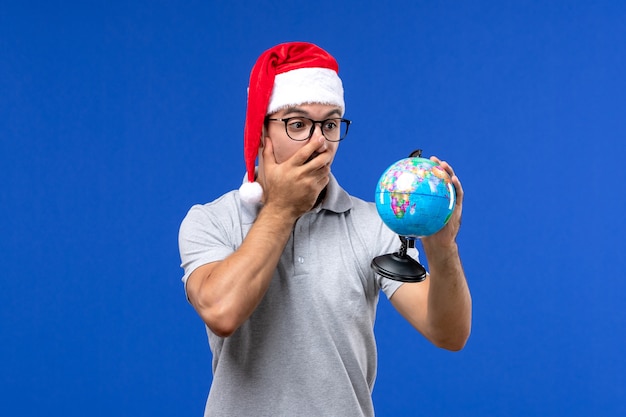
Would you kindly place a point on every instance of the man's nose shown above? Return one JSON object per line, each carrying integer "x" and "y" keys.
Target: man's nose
{"x": 317, "y": 130}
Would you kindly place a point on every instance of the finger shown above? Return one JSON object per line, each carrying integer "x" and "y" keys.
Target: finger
{"x": 323, "y": 181}
{"x": 320, "y": 161}
{"x": 443, "y": 164}
{"x": 304, "y": 154}
{"x": 458, "y": 189}
{"x": 455, "y": 180}
{"x": 447, "y": 167}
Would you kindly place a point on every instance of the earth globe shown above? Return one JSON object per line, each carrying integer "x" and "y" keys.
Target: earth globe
{"x": 414, "y": 198}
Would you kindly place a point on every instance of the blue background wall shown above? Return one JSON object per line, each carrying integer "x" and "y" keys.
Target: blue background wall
{"x": 116, "y": 117}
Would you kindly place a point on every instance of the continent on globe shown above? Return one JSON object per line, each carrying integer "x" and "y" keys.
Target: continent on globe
{"x": 415, "y": 197}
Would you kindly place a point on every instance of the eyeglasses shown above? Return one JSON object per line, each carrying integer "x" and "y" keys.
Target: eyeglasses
{"x": 302, "y": 128}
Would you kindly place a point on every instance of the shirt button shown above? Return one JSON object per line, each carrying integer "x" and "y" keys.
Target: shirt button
{"x": 300, "y": 259}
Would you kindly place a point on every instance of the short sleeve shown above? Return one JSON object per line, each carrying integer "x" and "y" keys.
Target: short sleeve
{"x": 203, "y": 238}
{"x": 390, "y": 243}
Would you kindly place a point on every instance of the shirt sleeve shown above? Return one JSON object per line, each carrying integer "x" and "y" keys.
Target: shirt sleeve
{"x": 202, "y": 239}
{"x": 390, "y": 243}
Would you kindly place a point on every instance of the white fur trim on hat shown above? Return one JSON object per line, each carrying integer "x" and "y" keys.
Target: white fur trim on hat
{"x": 306, "y": 85}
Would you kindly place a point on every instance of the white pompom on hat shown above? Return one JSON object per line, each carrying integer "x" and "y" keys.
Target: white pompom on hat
{"x": 286, "y": 75}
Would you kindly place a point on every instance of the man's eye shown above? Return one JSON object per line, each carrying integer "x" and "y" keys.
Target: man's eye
{"x": 330, "y": 125}
{"x": 296, "y": 124}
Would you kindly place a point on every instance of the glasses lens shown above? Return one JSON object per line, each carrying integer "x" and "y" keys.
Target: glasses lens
{"x": 298, "y": 128}
{"x": 335, "y": 129}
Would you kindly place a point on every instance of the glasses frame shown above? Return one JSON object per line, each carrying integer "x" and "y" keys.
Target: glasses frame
{"x": 321, "y": 123}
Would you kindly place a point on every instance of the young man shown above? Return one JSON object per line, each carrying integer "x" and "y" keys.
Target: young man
{"x": 279, "y": 270}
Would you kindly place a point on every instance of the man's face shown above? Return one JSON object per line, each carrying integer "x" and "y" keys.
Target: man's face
{"x": 284, "y": 146}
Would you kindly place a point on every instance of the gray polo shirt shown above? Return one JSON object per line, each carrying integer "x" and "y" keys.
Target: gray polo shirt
{"x": 309, "y": 347}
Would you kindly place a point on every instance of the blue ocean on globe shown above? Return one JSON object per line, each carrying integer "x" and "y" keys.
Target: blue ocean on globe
{"x": 415, "y": 197}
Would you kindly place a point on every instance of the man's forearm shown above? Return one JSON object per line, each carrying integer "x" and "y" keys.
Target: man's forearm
{"x": 449, "y": 301}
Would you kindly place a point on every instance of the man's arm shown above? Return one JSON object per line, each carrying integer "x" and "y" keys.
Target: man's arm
{"x": 441, "y": 307}
{"x": 226, "y": 293}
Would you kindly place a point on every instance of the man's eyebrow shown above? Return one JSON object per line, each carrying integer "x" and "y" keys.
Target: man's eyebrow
{"x": 335, "y": 112}
{"x": 297, "y": 110}
{"x": 292, "y": 110}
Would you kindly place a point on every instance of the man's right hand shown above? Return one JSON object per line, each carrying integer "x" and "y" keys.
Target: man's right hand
{"x": 294, "y": 185}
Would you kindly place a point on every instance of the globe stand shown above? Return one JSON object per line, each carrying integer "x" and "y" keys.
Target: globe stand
{"x": 398, "y": 265}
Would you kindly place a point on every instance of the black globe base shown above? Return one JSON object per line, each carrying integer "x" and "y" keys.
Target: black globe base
{"x": 399, "y": 268}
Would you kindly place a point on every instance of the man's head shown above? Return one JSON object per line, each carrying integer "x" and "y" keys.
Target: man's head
{"x": 285, "y": 77}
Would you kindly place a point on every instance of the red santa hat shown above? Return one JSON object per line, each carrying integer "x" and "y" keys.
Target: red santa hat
{"x": 286, "y": 75}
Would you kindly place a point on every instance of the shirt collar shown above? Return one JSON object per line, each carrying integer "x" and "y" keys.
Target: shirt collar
{"x": 337, "y": 199}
